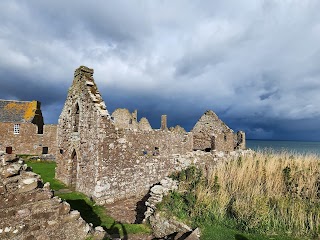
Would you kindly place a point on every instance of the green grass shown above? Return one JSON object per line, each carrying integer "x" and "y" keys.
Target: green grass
{"x": 221, "y": 232}
{"x": 90, "y": 212}
{"x": 47, "y": 171}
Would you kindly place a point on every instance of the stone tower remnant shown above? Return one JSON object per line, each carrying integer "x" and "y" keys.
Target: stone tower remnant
{"x": 164, "y": 122}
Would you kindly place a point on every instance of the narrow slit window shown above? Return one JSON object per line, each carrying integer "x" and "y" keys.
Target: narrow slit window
{"x": 40, "y": 129}
{"x": 76, "y": 118}
{"x": 16, "y": 129}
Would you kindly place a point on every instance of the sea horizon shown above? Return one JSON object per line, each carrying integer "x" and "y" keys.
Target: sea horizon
{"x": 281, "y": 140}
{"x": 294, "y": 146}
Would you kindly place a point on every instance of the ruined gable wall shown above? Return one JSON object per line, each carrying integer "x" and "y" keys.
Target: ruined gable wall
{"x": 93, "y": 121}
{"x": 28, "y": 209}
{"x": 123, "y": 119}
{"x": 28, "y": 141}
{"x": 210, "y": 125}
{"x": 136, "y": 160}
{"x": 144, "y": 125}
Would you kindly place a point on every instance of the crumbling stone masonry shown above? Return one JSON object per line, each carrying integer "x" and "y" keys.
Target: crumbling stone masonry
{"x": 210, "y": 133}
{"x": 29, "y": 210}
{"x": 114, "y": 157}
{"x": 123, "y": 119}
{"x": 22, "y": 130}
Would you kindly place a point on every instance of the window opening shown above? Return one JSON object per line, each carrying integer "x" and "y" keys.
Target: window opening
{"x": 156, "y": 151}
{"x": 40, "y": 129}
{"x": 16, "y": 129}
{"x": 9, "y": 150}
{"x": 213, "y": 143}
{"x": 45, "y": 150}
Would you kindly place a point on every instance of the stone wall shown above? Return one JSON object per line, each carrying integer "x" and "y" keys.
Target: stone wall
{"x": 83, "y": 125}
{"x": 28, "y": 209}
{"x": 210, "y": 133}
{"x": 135, "y": 160}
{"x": 123, "y": 119}
{"x": 28, "y": 141}
{"x": 240, "y": 139}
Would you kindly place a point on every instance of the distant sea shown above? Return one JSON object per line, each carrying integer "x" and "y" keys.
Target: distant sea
{"x": 291, "y": 146}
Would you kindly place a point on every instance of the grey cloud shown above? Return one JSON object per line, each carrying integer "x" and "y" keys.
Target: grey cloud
{"x": 257, "y": 67}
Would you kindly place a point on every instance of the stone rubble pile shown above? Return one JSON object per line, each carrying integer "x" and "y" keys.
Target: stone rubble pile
{"x": 162, "y": 227}
{"x": 28, "y": 209}
{"x": 157, "y": 193}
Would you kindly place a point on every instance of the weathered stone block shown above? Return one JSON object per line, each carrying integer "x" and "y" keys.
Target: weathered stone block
{"x": 64, "y": 208}
{"x": 28, "y": 184}
{"x": 11, "y": 170}
{"x": 73, "y": 216}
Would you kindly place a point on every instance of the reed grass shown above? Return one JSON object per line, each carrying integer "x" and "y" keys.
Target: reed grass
{"x": 264, "y": 192}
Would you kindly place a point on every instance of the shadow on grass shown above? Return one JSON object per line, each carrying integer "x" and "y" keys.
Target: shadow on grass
{"x": 86, "y": 211}
{"x": 90, "y": 216}
{"x": 240, "y": 237}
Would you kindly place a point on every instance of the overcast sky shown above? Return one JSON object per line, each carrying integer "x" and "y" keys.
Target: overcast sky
{"x": 255, "y": 63}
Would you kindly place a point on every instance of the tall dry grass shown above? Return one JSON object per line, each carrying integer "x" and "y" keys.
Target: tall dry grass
{"x": 265, "y": 192}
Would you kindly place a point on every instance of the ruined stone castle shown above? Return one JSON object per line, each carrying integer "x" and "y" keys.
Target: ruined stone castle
{"x": 111, "y": 157}
{"x": 108, "y": 156}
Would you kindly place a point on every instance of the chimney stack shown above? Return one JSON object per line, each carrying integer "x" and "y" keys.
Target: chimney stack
{"x": 164, "y": 122}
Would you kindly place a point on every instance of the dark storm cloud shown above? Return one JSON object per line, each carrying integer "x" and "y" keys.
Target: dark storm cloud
{"x": 256, "y": 66}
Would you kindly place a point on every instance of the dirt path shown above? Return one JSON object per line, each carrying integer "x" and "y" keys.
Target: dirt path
{"x": 127, "y": 211}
